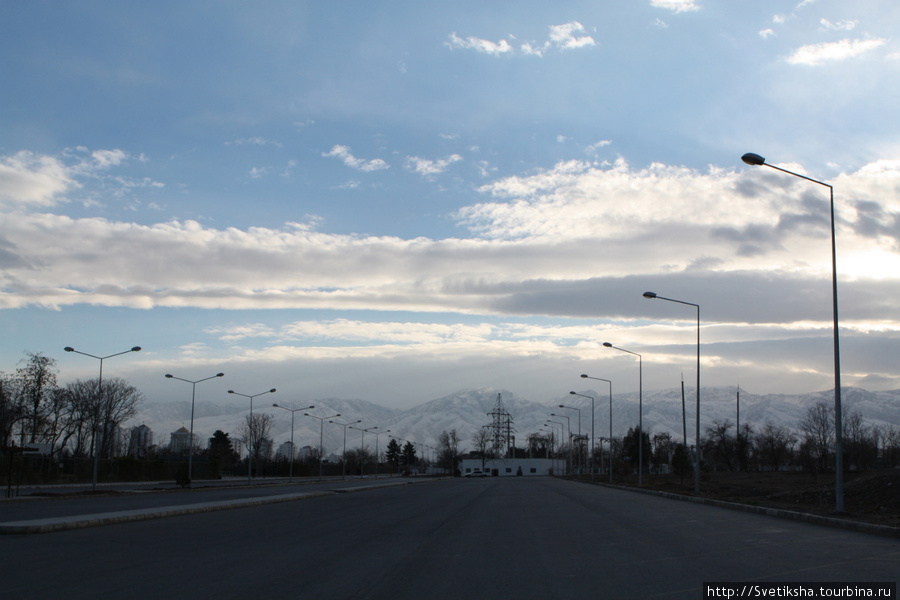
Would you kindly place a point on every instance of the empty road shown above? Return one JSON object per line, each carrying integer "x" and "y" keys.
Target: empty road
{"x": 493, "y": 538}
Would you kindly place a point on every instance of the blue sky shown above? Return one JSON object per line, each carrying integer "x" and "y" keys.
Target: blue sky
{"x": 391, "y": 201}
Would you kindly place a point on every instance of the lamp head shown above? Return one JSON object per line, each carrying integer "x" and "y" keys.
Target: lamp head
{"x": 649, "y": 294}
{"x": 573, "y": 393}
{"x": 753, "y": 159}
{"x": 583, "y": 376}
{"x": 69, "y": 349}
{"x": 136, "y": 349}
{"x": 230, "y": 391}
{"x": 276, "y": 405}
{"x": 169, "y": 376}
{"x": 272, "y": 391}
{"x": 607, "y": 344}
{"x": 220, "y": 374}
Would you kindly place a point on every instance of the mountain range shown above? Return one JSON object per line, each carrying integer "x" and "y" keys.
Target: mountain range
{"x": 467, "y": 410}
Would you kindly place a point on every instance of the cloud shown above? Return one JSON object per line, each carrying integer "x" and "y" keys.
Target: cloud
{"x": 676, "y": 6}
{"x": 480, "y": 45}
{"x": 817, "y": 54}
{"x": 343, "y": 153}
{"x": 561, "y": 38}
{"x": 255, "y": 141}
{"x": 427, "y": 167}
{"x": 29, "y": 178}
{"x": 826, "y": 25}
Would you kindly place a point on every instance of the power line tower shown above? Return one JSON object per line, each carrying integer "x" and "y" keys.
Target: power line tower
{"x": 502, "y": 430}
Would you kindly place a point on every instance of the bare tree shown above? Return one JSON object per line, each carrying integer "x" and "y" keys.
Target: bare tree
{"x": 35, "y": 381}
{"x": 482, "y": 441}
{"x": 774, "y": 445}
{"x": 255, "y": 429}
{"x": 448, "y": 450}
{"x": 818, "y": 429}
{"x": 118, "y": 402}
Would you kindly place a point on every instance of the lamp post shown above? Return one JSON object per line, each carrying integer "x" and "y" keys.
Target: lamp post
{"x": 344, "y": 455}
{"x": 191, "y": 439}
{"x": 655, "y": 296}
{"x": 757, "y": 160}
{"x": 321, "y": 432}
{"x": 251, "y": 428}
{"x": 292, "y": 411}
{"x": 583, "y": 376}
{"x": 562, "y": 434}
{"x": 378, "y": 433}
{"x": 591, "y": 456}
{"x": 640, "y": 410}
{"x": 580, "y": 464}
{"x": 97, "y": 407}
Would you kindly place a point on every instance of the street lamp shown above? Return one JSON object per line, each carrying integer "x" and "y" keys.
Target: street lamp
{"x": 97, "y": 406}
{"x": 251, "y": 428}
{"x": 583, "y": 376}
{"x": 640, "y": 411}
{"x": 344, "y": 456}
{"x": 653, "y": 296}
{"x": 580, "y": 466}
{"x": 571, "y": 444}
{"x": 378, "y": 433}
{"x": 292, "y": 411}
{"x": 191, "y": 439}
{"x": 757, "y": 160}
{"x": 562, "y": 434}
{"x": 579, "y": 426}
{"x": 321, "y": 431}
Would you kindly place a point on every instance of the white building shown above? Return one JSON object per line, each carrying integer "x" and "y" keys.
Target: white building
{"x": 286, "y": 451}
{"x": 512, "y": 467}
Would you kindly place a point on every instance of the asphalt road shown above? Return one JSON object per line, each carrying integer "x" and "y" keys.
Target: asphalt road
{"x": 466, "y": 538}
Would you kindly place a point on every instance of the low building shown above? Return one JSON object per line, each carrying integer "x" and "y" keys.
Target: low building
{"x": 512, "y": 467}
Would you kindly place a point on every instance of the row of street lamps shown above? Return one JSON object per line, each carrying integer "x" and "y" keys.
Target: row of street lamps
{"x": 753, "y": 160}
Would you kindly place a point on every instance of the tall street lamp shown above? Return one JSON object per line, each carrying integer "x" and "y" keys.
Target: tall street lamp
{"x": 757, "y": 160}
{"x": 292, "y": 411}
{"x": 562, "y": 434}
{"x": 640, "y": 411}
{"x": 583, "y": 376}
{"x": 591, "y": 463}
{"x": 191, "y": 439}
{"x": 321, "y": 432}
{"x": 654, "y": 296}
{"x": 378, "y": 433}
{"x": 344, "y": 456}
{"x": 571, "y": 444}
{"x": 97, "y": 406}
{"x": 251, "y": 428}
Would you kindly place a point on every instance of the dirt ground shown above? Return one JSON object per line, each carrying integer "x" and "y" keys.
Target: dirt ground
{"x": 872, "y": 497}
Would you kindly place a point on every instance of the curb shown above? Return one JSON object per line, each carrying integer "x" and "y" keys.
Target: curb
{"x": 127, "y": 516}
{"x": 779, "y": 513}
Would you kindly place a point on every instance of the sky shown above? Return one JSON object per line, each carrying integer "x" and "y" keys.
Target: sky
{"x": 392, "y": 201}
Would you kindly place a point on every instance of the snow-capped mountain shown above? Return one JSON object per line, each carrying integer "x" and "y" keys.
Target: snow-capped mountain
{"x": 468, "y": 410}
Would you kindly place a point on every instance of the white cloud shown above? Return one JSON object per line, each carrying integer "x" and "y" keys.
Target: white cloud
{"x": 826, "y": 25}
{"x": 255, "y": 141}
{"x": 676, "y": 6}
{"x": 343, "y": 153}
{"x": 29, "y": 178}
{"x": 561, "y": 37}
{"x": 817, "y": 54}
{"x": 480, "y": 45}
{"x": 766, "y": 33}
{"x": 427, "y": 167}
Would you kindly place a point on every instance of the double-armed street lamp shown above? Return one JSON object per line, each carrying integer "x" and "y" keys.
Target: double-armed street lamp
{"x": 97, "y": 405}
{"x": 251, "y": 427}
{"x": 190, "y": 476}
{"x": 655, "y": 296}
{"x": 640, "y": 410}
{"x": 583, "y": 376}
{"x": 321, "y": 433}
{"x": 378, "y": 433}
{"x": 292, "y": 411}
{"x": 756, "y": 160}
{"x": 344, "y": 456}
{"x": 591, "y": 451}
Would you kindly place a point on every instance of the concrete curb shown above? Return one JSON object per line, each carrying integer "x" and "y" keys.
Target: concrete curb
{"x": 126, "y": 516}
{"x": 96, "y": 520}
{"x": 771, "y": 512}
